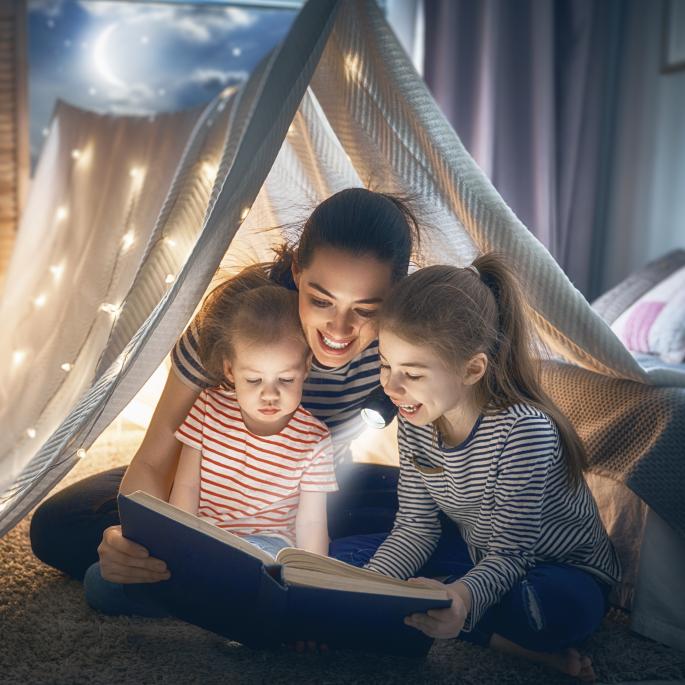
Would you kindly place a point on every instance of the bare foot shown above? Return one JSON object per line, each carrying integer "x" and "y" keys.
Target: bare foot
{"x": 569, "y": 661}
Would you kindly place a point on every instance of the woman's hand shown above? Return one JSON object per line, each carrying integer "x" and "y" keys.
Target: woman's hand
{"x": 124, "y": 561}
{"x": 443, "y": 623}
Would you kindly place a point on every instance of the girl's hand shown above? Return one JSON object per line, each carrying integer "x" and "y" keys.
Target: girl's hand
{"x": 124, "y": 561}
{"x": 441, "y": 623}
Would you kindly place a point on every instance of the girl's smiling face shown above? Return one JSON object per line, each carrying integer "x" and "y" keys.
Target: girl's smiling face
{"x": 423, "y": 386}
{"x": 339, "y": 297}
{"x": 417, "y": 380}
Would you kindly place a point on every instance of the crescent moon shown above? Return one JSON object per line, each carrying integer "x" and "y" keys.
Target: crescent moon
{"x": 99, "y": 57}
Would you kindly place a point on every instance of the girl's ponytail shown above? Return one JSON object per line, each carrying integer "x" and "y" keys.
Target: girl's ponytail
{"x": 514, "y": 372}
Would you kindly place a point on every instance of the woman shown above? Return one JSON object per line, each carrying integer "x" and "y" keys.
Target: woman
{"x": 353, "y": 248}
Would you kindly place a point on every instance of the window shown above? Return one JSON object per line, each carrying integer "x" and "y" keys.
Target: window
{"x": 142, "y": 58}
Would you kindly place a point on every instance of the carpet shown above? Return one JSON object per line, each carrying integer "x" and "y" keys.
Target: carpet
{"x": 49, "y": 635}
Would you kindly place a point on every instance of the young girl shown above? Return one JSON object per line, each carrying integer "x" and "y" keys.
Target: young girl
{"x": 482, "y": 445}
{"x": 254, "y": 461}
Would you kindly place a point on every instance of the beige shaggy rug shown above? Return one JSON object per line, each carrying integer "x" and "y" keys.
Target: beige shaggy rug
{"x": 49, "y": 635}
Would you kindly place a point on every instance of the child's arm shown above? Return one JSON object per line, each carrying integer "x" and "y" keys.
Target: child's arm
{"x": 311, "y": 525}
{"x": 416, "y": 531}
{"x": 524, "y": 469}
{"x": 185, "y": 492}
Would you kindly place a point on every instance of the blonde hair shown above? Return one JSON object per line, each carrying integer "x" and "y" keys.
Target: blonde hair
{"x": 462, "y": 312}
{"x": 249, "y": 307}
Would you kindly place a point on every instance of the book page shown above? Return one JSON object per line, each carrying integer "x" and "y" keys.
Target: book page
{"x": 196, "y": 523}
{"x": 307, "y": 578}
{"x": 300, "y": 559}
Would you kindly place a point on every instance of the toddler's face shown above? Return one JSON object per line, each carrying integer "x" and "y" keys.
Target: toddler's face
{"x": 268, "y": 382}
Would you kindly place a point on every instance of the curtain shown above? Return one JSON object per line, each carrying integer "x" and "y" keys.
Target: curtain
{"x": 530, "y": 87}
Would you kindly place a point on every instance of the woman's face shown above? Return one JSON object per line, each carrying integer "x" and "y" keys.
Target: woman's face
{"x": 339, "y": 295}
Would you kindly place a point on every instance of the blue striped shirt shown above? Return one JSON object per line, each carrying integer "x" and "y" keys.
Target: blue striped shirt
{"x": 506, "y": 488}
{"x": 333, "y": 396}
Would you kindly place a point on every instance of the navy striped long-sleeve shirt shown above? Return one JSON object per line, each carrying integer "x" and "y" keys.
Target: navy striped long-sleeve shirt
{"x": 506, "y": 488}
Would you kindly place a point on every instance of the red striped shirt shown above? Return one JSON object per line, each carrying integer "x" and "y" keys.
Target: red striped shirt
{"x": 250, "y": 484}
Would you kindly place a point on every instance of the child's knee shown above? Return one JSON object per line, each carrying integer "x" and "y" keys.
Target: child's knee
{"x": 567, "y": 613}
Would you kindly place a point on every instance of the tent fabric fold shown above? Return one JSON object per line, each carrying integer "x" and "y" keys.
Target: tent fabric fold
{"x": 120, "y": 242}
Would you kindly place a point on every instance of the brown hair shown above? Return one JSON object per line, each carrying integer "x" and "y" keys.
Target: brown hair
{"x": 248, "y": 306}
{"x": 462, "y": 312}
{"x": 360, "y": 221}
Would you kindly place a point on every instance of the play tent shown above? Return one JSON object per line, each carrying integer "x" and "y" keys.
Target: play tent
{"x": 129, "y": 219}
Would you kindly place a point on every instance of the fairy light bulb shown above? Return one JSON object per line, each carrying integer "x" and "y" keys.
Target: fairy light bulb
{"x": 56, "y": 270}
{"x": 40, "y": 301}
{"x": 137, "y": 175}
{"x": 170, "y": 242}
{"x": 169, "y": 279}
{"x": 244, "y": 213}
{"x": 76, "y": 154}
{"x": 110, "y": 308}
{"x": 18, "y": 357}
{"x": 81, "y": 453}
{"x": 31, "y": 432}
{"x": 353, "y": 66}
{"x": 127, "y": 240}
{"x": 66, "y": 367}
{"x": 61, "y": 213}
{"x": 209, "y": 171}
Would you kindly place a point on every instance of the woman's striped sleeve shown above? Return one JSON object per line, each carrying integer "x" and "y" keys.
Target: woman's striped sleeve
{"x": 185, "y": 360}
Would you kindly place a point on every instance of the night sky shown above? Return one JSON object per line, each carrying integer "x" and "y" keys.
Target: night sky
{"x": 138, "y": 58}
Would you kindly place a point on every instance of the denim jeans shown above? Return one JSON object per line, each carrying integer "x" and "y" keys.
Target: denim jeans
{"x": 553, "y": 607}
{"x": 113, "y": 598}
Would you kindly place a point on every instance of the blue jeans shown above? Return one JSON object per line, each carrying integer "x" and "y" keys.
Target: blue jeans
{"x": 554, "y": 607}
{"x": 113, "y": 598}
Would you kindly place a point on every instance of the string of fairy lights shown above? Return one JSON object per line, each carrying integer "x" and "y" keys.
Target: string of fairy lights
{"x": 81, "y": 158}
{"x": 205, "y": 170}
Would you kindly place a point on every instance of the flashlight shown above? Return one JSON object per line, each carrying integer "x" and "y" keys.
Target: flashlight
{"x": 378, "y": 410}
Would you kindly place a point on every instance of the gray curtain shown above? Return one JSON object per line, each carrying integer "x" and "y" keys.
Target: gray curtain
{"x": 530, "y": 86}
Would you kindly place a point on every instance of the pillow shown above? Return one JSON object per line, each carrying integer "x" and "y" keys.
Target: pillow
{"x": 615, "y": 301}
{"x": 655, "y": 323}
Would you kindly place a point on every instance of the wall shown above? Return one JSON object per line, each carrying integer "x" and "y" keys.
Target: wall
{"x": 646, "y": 216}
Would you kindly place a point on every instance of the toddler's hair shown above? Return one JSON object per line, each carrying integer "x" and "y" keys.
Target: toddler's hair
{"x": 249, "y": 307}
{"x": 462, "y": 312}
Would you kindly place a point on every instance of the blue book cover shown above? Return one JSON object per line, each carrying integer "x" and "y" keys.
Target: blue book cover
{"x": 223, "y": 583}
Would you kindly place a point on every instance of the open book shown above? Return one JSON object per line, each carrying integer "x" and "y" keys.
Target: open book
{"x": 224, "y": 583}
